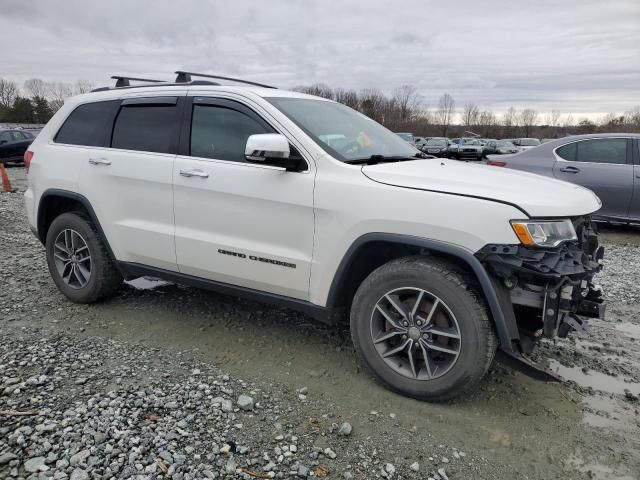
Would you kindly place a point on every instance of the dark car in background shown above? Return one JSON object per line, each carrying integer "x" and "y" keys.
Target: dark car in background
{"x": 500, "y": 147}
{"x": 437, "y": 146}
{"x": 606, "y": 163}
{"x": 13, "y": 144}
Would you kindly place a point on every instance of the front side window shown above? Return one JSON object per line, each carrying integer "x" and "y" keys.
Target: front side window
{"x": 342, "y": 132}
{"x": 221, "y": 133}
{"x": 145, "y": 127}
{"x": 87, "y": 125}
{"x": 604, "y": 150}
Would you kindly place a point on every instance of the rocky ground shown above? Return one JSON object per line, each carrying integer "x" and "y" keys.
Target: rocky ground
{"x": 168, "y": 381}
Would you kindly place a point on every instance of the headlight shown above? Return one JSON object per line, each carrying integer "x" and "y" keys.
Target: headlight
{"x": 545, "y": 233}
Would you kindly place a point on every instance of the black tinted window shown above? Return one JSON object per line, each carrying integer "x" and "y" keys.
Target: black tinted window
{"x": 605, "y": 150}
{"x": 6, "y": 137}
{"x": 87, "y": 125}
{"x": 221, "y": 133}
{"x": 568, "y": 152}
{"x": 145, "y": 127}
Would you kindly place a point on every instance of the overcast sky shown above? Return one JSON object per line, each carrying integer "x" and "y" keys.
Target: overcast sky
{"x": 578, "y": 56}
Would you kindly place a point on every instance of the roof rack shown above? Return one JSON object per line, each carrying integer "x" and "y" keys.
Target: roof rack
{"x": 185, "y": 77}
{"x": 122, "y": 81}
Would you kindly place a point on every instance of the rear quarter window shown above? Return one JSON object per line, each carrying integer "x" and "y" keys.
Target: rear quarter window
{"x": 87, "y": 125}
{"x": 568, "y": 152}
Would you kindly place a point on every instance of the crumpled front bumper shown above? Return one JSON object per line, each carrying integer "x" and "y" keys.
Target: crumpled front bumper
{"x": 551, "y": 290}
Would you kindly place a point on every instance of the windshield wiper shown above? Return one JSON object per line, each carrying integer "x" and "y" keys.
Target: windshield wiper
{"x": 377, "y": 158}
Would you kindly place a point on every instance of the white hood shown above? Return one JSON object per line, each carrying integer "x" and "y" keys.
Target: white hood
{"x": 537, "y": 195}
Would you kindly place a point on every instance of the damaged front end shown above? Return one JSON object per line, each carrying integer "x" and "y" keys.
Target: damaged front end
{"x": 550, "y": 290}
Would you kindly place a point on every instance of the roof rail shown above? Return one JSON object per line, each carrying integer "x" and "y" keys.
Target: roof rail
{"x": 185, "y": 77}
{"x": 122, "y": 81}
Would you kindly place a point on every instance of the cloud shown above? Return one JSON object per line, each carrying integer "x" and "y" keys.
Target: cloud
{"x": 578, "y": 56}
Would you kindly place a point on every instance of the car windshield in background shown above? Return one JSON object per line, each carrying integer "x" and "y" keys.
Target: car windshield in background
{"x": 529, "y": 142}
{"x": 436, "y": 143}
{"x": 469, "y": 141}
{"x": 505, "y": 143}
{"x": 342, "y": 132}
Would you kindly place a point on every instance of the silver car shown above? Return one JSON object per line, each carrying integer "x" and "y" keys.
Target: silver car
{"x": 607, "y": 163}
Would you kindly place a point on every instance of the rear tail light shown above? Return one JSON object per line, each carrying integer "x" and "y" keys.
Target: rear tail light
{"x": 28, "y": 155}
{"x": 496, "y": 163}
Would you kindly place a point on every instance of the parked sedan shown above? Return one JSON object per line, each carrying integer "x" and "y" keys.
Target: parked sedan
{"x": 607, "y": 163}
{"x": 526, "y": 143}
{"x": 502, "y": 147}
{"x": 13, "y": 144}
{"x": 437, "y": 146}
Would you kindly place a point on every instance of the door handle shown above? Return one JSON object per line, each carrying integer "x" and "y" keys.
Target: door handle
{"x": 570, "y": 170}
{"x": 99, "y": 161}
{"x": 194, "y": 172}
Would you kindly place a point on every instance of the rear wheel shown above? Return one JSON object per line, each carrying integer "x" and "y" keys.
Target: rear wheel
{"x": 421, "y": 329}
{"x": 78, "y": 260}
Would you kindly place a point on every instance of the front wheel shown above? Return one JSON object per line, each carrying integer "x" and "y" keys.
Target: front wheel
{"x": 421, "y": 329}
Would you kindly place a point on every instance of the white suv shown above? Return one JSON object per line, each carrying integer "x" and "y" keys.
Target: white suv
{"x": 237, "y": 189}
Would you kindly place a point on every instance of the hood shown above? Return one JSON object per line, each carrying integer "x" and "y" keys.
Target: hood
{"x": 538, "y": 196}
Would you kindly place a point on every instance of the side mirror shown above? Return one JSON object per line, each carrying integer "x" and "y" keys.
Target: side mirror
{"x": 271, "y": 149}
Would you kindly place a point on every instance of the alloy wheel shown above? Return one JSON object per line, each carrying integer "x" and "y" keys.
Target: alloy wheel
{"x": 415, "y": 333}
{"x": 72, "y": 258}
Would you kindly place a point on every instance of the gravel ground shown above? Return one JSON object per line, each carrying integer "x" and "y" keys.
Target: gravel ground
{"x": 166, "y": 381}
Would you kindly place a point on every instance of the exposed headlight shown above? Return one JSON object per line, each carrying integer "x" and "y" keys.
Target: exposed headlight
{"x": 544, "y": 233}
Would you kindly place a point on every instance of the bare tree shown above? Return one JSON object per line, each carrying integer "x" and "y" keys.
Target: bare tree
{"x": 373, "y": 104}
{"x": 489, "y": 123}
{"x": 36, "y": 87}
{"x": 528, "y": 118}
{"x": 58, "y": 93}
{"x": 444, "y": 113}
{"x": 347, "y": 97}
{"x": 470, "y": 115}
{"x": 82, "y": 86}
{"x": 8, "y": 93}
{"x": 510, "y": 121}
{"x": 568, "y": 121}
{"x": 407, "y": 100}
{"x": 318, "y": 89}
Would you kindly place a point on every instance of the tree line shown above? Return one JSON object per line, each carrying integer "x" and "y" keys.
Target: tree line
{"x": 35, "y": 101}
{"x": 404, "y": 110}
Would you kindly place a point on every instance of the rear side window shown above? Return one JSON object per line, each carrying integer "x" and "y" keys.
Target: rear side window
{"x": 145, "y": 127}
{"x": 221, "y": 133}
{"x": 87, "y": 125}
{"x": 605, "y": 150}
{"x": 568, "y": 152}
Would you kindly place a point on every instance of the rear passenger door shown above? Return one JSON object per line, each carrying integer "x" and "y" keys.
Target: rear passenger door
{"x": 129, "y": 180}
{"x": 603, "y": 165}
{"x": 240, "y": 223}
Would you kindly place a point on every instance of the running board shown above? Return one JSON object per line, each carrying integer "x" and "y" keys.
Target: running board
{"x": 527, "y": 366}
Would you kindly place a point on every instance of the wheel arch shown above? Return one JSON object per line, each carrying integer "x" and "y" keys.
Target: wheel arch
{"x": 372, "y": 250}
{"x": 54, "y": 202}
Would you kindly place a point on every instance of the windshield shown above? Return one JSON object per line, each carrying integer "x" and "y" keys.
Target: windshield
{"x": 342, "y": 132}
{"x": 529, "y": 142}
{"x": 469, "y": 141}
{"x": 505, "y": 143}
{"x": 437, "y": 142}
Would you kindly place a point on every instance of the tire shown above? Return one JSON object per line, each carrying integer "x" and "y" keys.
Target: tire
{"x": 103, "y": 279}
{"x": 459, "y": 305}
